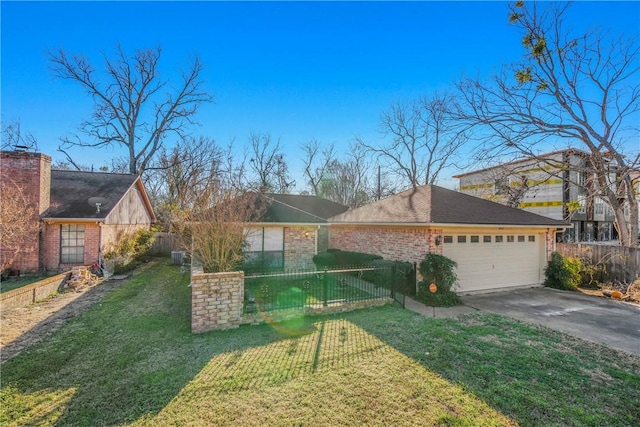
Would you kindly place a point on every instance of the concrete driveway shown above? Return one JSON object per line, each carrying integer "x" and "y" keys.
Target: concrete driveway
{"x": 613, "y": 323}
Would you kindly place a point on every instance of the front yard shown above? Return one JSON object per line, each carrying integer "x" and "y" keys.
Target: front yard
{"x": 131, "y": 360}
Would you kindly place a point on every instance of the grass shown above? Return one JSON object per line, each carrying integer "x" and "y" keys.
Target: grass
{"x": 11, "y": 284}
{"x": 131, "y": 360}
{"x": 272, "y": 293}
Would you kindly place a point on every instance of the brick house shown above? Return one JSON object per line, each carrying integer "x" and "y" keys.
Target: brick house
{"x": 495, "y": 246}
{"x": 291, "y": 231}
{"x": 79, "y": 212}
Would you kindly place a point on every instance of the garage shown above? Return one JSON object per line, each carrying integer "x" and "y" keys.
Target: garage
{"x": 495, "y": 246}
{"x": 489, "y": 261}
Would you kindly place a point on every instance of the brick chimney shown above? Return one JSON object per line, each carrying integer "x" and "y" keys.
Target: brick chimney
{"x": 32, "y": 173}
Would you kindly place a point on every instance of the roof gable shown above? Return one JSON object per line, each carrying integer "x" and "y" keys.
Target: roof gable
{"x": 75, "y": 194}
{"x": 431, "y": 204}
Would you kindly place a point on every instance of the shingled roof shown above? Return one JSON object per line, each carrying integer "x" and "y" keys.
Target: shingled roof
{"x": 295, "y": 208}
{"x": 74, "y": 194}
{"x": 431, "y": 204}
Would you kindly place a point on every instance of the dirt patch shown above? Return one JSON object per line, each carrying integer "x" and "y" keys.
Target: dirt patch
{"x": 24, "y": 326}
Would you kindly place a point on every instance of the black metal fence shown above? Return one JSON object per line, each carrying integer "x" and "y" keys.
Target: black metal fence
{"x": 321, "y": 288}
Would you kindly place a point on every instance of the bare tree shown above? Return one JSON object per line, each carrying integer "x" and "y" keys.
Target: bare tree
{"x": 133, "y": 107}
{"x": 216, "y": 236}
{"x": 268, "y": 164}
{"x": 316, "y": 163}
{"x": 19, "y": 223}
{"x": 14, "y": 138}
{"x": 183, "y": 177}
{"x": 422, "y": 138}
{"x": 347, "y": 181}
{"x": 580, "y": 88}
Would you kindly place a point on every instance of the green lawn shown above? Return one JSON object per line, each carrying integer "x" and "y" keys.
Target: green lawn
{"x": 272, "y": 292}
{"x": 131, "y": 360}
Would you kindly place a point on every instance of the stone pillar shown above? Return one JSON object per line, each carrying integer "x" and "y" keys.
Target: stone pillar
{"x": 217, "y": 300}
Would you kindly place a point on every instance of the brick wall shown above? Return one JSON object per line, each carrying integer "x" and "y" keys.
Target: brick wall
{"x": 299, "y": 247}
{"x": 50, "y": 245}
{"x": 32, "y": 173}
{"x": 216, "y": 300}
{"x": 393, "y": 243}
{"x": 32, "y": 293}
{"x": 550, "y": 242}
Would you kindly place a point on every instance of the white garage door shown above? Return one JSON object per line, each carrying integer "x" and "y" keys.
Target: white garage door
{"x": 493, "y": 261}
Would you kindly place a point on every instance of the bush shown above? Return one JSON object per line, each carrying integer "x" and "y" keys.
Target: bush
{"x": 129, "y": 250}
{"x": 563, "y": 272}
{"x": 324, "y": 260}
{"x": 339, "y": 258}
{"x": 591, "y": 275}
{"x": 438, "y": 269}
{"x": 383, "y": 276}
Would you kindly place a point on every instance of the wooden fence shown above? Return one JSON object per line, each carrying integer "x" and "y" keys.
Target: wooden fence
{"x": 164, "y": 243}
{"x": 622, "y": 263}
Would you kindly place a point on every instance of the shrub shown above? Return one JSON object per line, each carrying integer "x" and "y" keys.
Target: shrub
{"x": 129, "y": 250}
{"x": 339, "y": 258}
{"x": 324, "y": 260}
{"x": 383, "y": 276}
{"x": 438, "y": 269}
{"x": 563, "y": 272}
{"x": 591, "y": 275}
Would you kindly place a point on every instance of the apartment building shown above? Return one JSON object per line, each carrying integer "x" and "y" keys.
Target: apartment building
{"x": 559, "y": 185}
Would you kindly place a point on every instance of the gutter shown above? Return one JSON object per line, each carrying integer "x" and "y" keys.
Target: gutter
{"x": 435, "y": 224}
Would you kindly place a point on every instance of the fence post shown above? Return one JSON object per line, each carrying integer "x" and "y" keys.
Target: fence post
{"x": 325, "y": 288}
{"x": 393, "y": 281}
{"x": 415, "y": 276}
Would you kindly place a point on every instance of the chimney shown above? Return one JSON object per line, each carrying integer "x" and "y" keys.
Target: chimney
{"x": 30, "y": 171}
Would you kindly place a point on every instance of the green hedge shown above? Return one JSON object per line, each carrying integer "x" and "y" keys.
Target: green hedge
{"x": 383, "y": 276}
{"x": 337, "y": 258}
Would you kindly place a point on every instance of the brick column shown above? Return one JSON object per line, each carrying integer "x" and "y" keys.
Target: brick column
{"x": 299, "y": 247}
{"x": 216, "y": 300}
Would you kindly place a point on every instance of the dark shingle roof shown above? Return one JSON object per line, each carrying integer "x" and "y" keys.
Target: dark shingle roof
{"x": 74, "y": 194}
{"x": 430, "y": 204}
{"x": 293, "y": 208}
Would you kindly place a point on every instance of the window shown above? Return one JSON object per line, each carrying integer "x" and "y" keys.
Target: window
{"x": 500, "y": 185}
{"x": 486, "y": 239}
{"x": 532, "y": 238}
{"x": 599, "y": 207}
{"x": 265, "y": 247}
{"x": 520, "y": 239}
{"x": 462, "y": 239}
{"x": 475, "y": 239}
{"x": 499, "y": 239}
{"x": 71, "y": 244}
{"x": 448, "y": 239}
{"x": 510, "y": 239}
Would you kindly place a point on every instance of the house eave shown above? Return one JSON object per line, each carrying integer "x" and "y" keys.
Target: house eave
{"x": 72, "y": 220}
{"x": 450, "y": 225}
{"x": 288, "y": 224}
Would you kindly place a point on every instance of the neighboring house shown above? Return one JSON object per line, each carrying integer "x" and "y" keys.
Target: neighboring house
{"x": 291, "y": 231}
{"x": 80, "y": 213}
{"x": 559, "y": 185}
{"x": 495, "y": 246}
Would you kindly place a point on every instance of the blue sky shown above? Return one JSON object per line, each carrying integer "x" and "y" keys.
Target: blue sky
{"x": 323, "y": 70}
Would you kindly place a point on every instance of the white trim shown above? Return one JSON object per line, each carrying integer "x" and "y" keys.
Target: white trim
{"x": 450, "y": 225}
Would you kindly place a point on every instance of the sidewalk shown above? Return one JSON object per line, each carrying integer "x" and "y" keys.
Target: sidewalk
{"x": 437, "y": 312}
